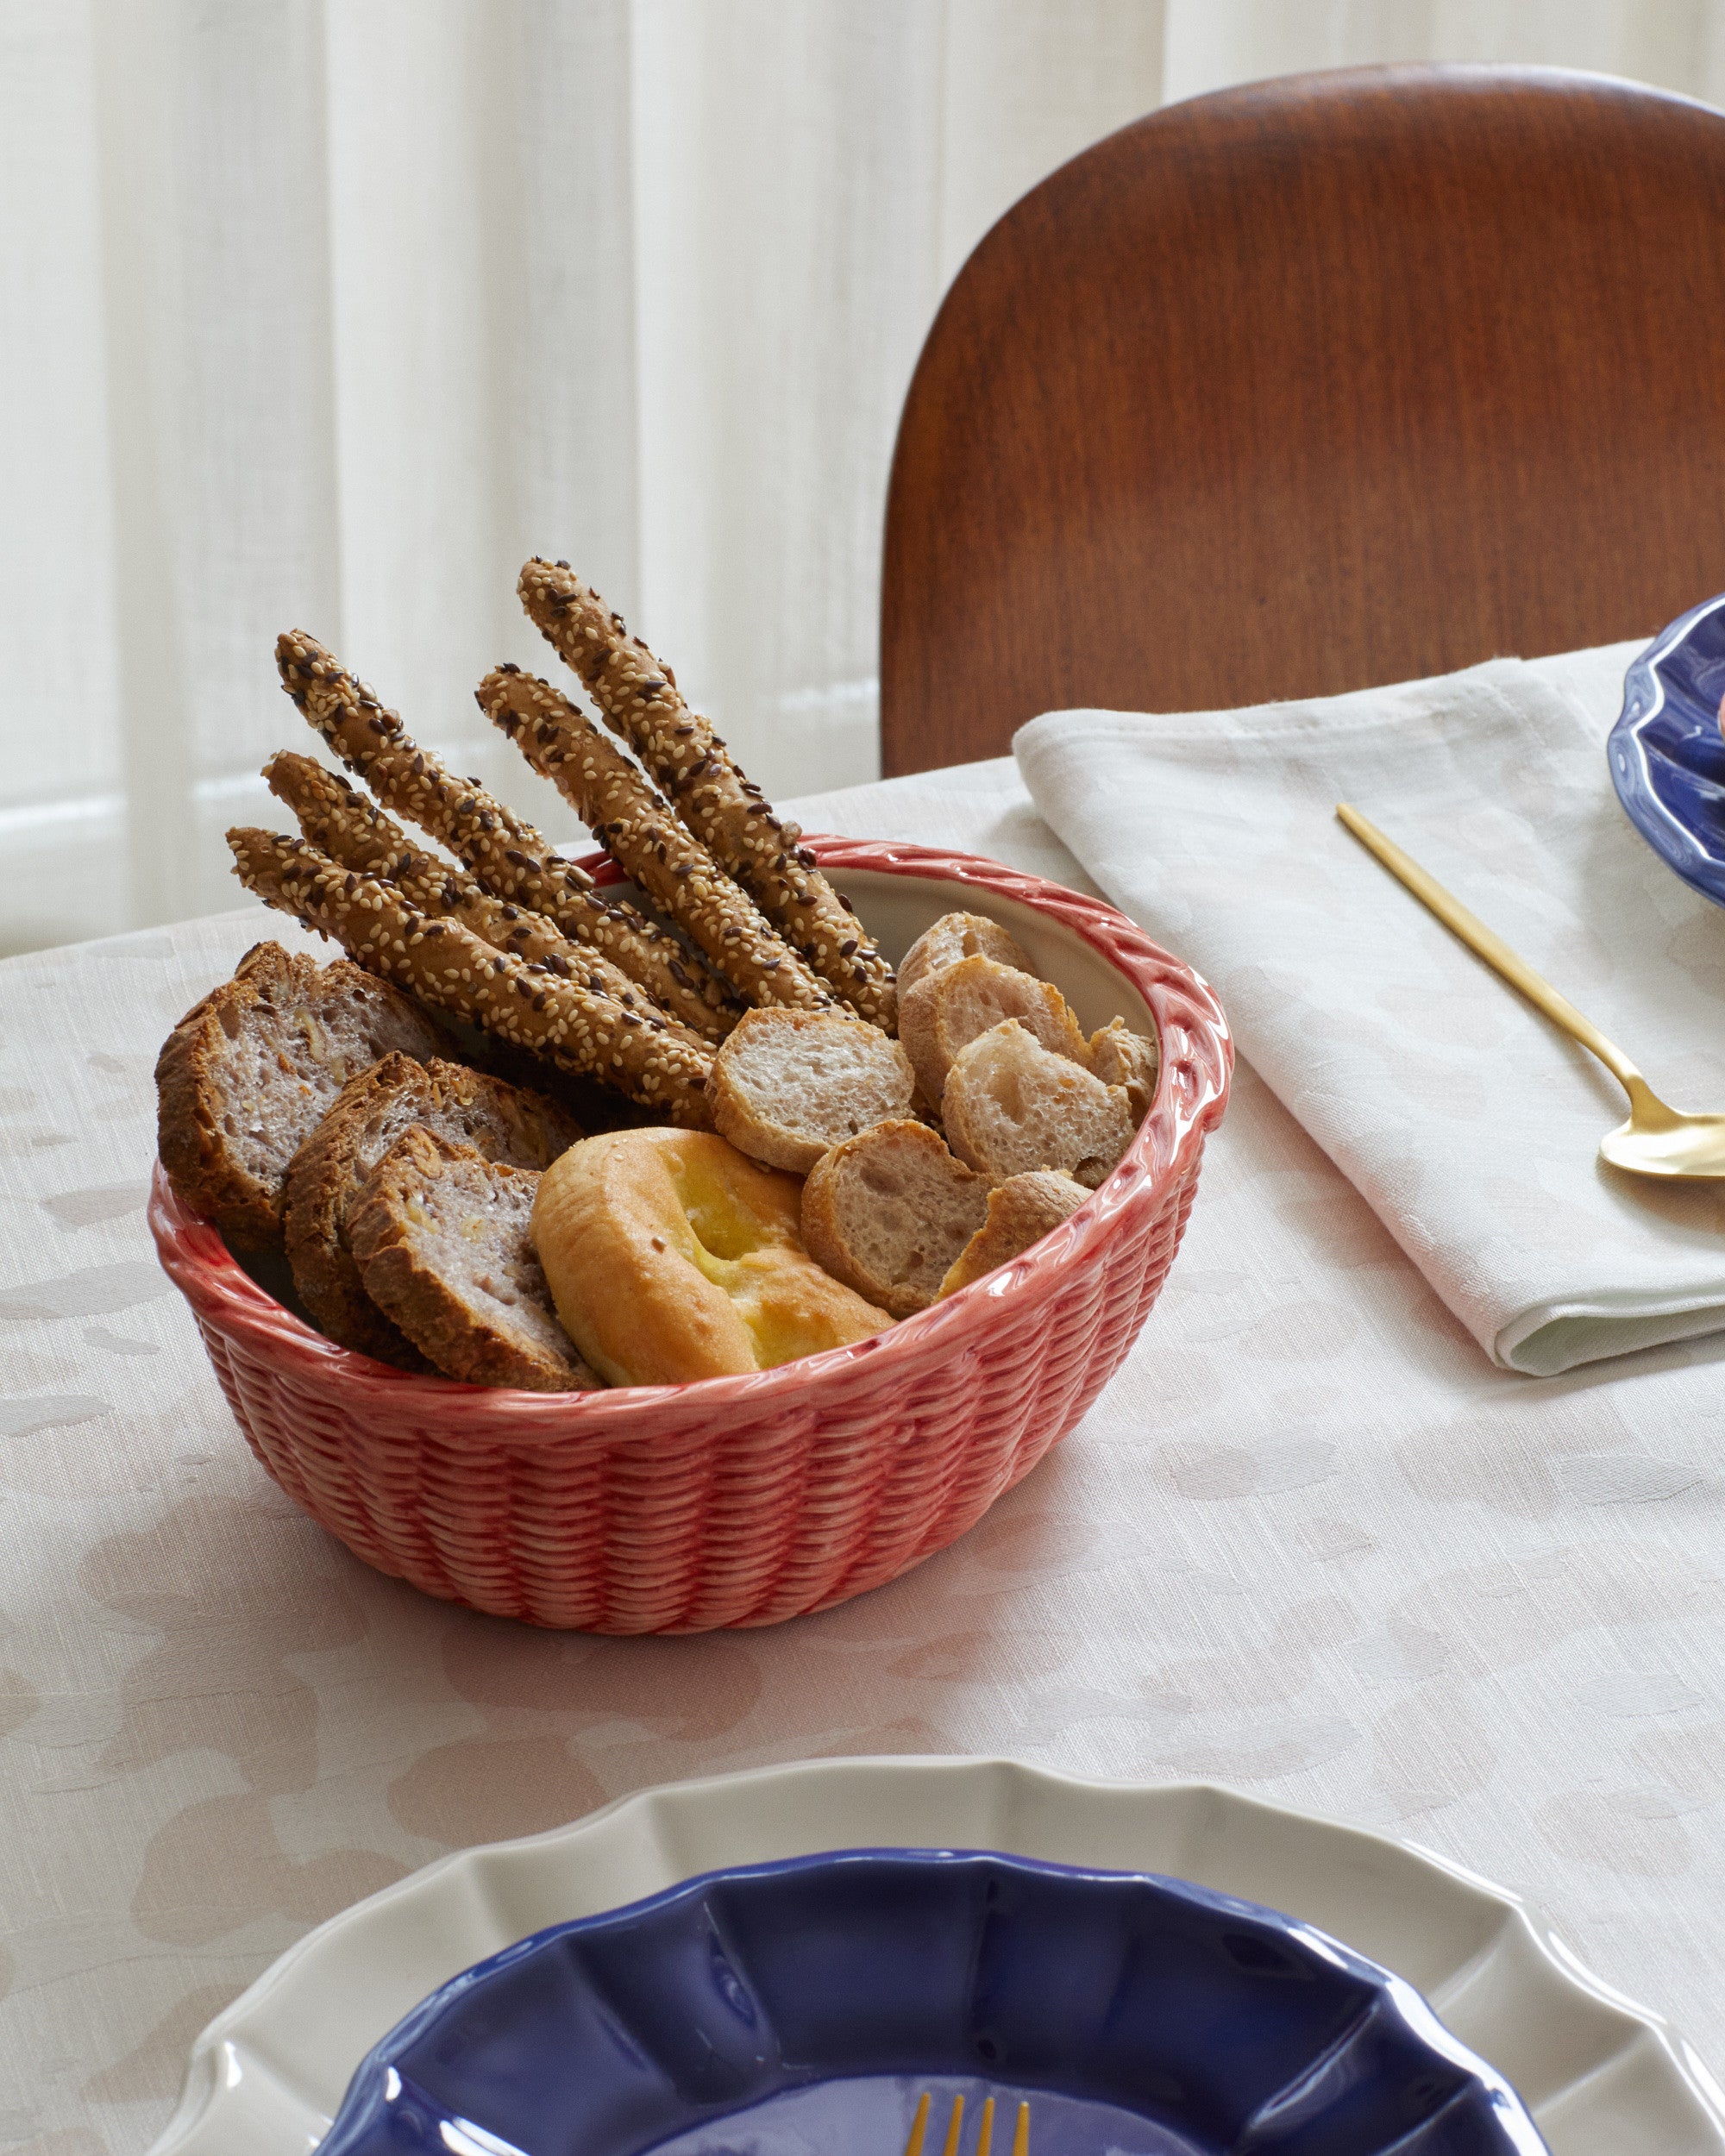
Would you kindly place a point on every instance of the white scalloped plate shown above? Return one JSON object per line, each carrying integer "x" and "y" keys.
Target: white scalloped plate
{"x": 1602, "y": 2077}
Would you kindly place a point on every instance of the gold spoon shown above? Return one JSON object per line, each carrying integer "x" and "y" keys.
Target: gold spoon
{"x": 1656, "y": 1140}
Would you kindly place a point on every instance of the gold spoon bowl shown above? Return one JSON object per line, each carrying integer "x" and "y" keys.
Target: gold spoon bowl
{"x": 1657, "y": 1140}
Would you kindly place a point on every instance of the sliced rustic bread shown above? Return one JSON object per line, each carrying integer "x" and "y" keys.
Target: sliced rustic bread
{"x": 245, "y": 1078}
{"x": 888, "y": 1211}
{"x": 1011, "y": 1107}
{"x": 440, "y": 1235}
{"x": 470, "y": 1107}
{"x": 956, "y": 936}
{"x": 946, "y": 1011}
{"x": 787, "y": 1085}
{"x": 1021, "y": 1211}
{"x": 1121, "y": 1057}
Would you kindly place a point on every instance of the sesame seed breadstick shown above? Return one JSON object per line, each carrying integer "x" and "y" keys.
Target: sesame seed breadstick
{"x": 446, "y": 965}
{"x": 356, "y": 833}
{"x": 412, "y": 780}
{"x": 510, "y": 857}
{"x": 640, "y": 699}
{"x": 625, "y": 810}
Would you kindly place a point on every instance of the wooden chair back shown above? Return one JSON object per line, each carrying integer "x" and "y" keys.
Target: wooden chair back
{"x": 1328, "y": 381}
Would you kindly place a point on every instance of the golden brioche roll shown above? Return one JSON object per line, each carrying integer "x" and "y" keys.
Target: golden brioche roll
{"x": 672, "y": 1256}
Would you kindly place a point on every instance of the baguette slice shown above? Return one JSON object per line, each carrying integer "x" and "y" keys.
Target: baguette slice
{"x": 1011, "y": 1107}
{"x": 889, "y": 1211}
{"x": 440, "y": 1235}
{"x": 946, "y": 1011}
{"x": 1021, "y": 1211}
{"x": 787, "y": 1086}
{"x": 1119, "y": 1057}
{"x": 245, "y": 1078}
{"x": 470, "y": 1107}
{"x": 956, "y": 936}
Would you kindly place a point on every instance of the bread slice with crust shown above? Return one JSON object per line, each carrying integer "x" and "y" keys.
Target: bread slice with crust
{"x": 946, "y": 1011}
{"x": 787, "y": 1086}
{"x": 1021, "y": 1211}
{"x": 1121, "y": 1057}
{"x": 470, "y": 1107}
{"x": 956, "y": 936}
{"x": 1011, "y": 1107}
{"x": 889, "y": 1211}
{"x": 245, "y": 1078}
{"x": 440, "y": 1235}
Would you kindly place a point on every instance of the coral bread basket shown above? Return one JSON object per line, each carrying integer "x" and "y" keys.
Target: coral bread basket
{"x": 744, "y": 1500}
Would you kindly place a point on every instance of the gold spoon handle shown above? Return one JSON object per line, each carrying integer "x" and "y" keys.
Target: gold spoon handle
{"x": 1494, "y": 951}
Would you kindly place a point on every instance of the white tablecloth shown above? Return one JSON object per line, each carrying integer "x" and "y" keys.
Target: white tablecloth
{"x": 1309, "y": 1543}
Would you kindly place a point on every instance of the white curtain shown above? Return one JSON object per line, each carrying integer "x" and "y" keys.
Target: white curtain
{"x": 327, "y": 312}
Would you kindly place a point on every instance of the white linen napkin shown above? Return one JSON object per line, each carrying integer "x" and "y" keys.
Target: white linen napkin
{"x": 1467, "y": 1121}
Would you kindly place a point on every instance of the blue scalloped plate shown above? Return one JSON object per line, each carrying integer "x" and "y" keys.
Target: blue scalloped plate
{"x": 800, "y": 2008}
{"x": 1666, "y": 754}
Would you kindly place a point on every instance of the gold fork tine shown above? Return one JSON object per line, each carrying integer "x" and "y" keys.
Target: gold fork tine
{"x": 918, "y": 2126}
{"x": 985, "y": 2134}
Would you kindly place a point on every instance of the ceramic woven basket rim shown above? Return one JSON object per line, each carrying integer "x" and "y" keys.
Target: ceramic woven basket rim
{"x": 1192, "y": 1088}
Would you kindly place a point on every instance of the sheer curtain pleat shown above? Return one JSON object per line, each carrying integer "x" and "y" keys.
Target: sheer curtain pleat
{"x": 327, "y": 312}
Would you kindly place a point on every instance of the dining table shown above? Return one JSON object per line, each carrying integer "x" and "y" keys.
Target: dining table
{"x": 1310, "y": 1543}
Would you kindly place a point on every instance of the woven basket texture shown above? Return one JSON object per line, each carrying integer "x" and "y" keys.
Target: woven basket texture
{"x": 740, "y": 1501}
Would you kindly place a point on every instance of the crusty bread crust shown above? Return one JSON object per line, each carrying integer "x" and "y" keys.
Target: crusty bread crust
{"x": 469, "y": 1107}
{"x": 889, "y": 1212}
{"x": 323, "y": 1182}
{"x": 956, "y": 936}
{"x": 1010, "y": 1108}
{"x": 786, "y": 1086}
{"x": 440, "y": 1237}
{"x": 949, "y": 1008}
{"x": 247, "y": 1073}
{"x": 1121, "y": 1057}
{"x": 1021, "y": 1211}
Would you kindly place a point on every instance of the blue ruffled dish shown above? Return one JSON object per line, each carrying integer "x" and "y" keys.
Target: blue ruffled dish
{"x": 800, "y": 2009}
{"x": 1667, "y": 755}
